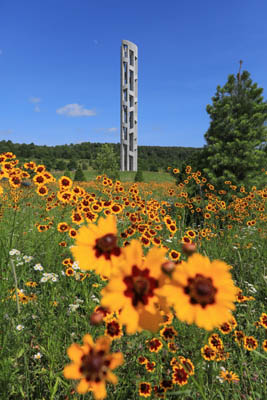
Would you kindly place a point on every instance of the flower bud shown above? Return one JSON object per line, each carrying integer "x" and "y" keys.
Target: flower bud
{"x": 189, "y": 248}
{"x": 96, "y": 318}
{"x": 168, "y": 267}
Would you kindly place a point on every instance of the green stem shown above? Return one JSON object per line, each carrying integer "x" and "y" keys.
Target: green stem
{"x": 199, "y": 387}
{"x": 11, "y": 236}
{"x": 16, "y": 284}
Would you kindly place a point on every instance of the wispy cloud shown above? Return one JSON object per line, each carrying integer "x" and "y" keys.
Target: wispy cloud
{"x": 95, "y": 42}
{"x": 37, "y": 109}
{"x": 75, "y": 110}
{"x": 34, "y": 100}
{"x": 105, "y": 130}
{"x": 6, "y": 132}
{"x": 1, "y": 52}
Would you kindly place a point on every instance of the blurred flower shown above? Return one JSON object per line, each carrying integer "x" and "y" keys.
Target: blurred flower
{"x": 92, "y": 364}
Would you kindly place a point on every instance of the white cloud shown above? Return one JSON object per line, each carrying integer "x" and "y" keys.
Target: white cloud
{"x": 34, "y": 100}
{"x": 105, "y": 130}
{"x": 95, "y": 42}
{"x": 75, "y": 110}
{"x": 6, "y": 132}
{"x": 37, "y": 109}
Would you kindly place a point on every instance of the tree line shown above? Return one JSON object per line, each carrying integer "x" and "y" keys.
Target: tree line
{"x": 70, "y": 156}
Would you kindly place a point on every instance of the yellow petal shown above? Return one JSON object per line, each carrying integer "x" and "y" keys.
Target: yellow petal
{"x": 112, "y": 300}
{"x": 72, "y": 371}
{"x": 116, "y": 360}
{"x": 75, "y": 352}
{"x": 115, "y": 285}
{"x": 83, "y": 386}
{"x": 99, "y": 390}
{"x": 87, "y": 339}
{"x": 150, "y": 321}
{"x": 112, "y": 377}
{"x": 154, "y": 259}
{"x": 129, "y": 317}
{"x": 133, "y": 253}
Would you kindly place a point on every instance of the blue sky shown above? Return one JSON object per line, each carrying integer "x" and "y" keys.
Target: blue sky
{"x": 60, "y": 66}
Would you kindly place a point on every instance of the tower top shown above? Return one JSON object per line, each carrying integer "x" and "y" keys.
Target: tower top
{"x": 131, "y": 45}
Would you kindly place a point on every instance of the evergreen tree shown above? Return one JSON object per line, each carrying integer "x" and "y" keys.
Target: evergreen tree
{"x": 139, "y": 176}
{"x": 67, "y": 173}
{"x": 79, "y": 175}
{"x": 236, "y": 133}
{"x": 84, "y": 166}
{"x": 106, "y": 161}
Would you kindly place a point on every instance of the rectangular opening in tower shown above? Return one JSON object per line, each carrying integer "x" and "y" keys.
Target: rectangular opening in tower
{"x": 131, "y": 58}
{"x": 125, "y": 73}
{"x": 131, "y": 120}
{"x": 131, "y": 163}
{"x": 131, "y": 80}
{"x": 125, "y": 120}
{"x": 131, "y": 141}
{"x": 125, "y": 156}
{"x": 125, "y": 133}
{"x": 125, "y": 50}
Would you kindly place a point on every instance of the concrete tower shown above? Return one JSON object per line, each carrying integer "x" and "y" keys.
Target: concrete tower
{"x": 129, "y": 71}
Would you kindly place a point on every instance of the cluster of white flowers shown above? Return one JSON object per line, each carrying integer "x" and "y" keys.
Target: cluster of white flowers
{"x": 75, "y": 265}
{"x": 38, "y": 267}
{"x": 95, "y": 299}
{"x": 75, "y": 306}
{"x": 20, "y": 259}
{"x": 14, "y": 252}
{"x": 251, "y": 288}
{"x": 49, "y": 276}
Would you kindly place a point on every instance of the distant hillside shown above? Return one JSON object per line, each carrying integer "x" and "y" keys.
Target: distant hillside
{"x": 150, "y": 158}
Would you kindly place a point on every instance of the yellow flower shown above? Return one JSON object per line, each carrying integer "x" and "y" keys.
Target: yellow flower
{"x": 229, "y": 376}
{"x": 96, "y": 246}
{"x": 92, "y": 364}
{"x": 132, "y": 288}
{"x": 201, "y": 291}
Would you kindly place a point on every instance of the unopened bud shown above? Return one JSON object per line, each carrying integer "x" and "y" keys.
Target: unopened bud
{"x": 96, "y": 318}
{"x": 189, "y": 248}
{"x": 168, "y": 267}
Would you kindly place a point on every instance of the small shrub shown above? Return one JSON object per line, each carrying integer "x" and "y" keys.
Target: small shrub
{"x": 67, "y": 173}
{"x": 139, "y": 176}
{"x": 79, "y": 175}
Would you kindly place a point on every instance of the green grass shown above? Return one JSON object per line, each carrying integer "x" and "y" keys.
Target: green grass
{"x": 126, "y": 176}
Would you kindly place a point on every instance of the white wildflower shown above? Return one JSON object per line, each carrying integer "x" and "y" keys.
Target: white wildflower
{"x": 37, "y": 356}
{"x": 38, "y": 267}
{"x": 27, "y": 258}
{"x": 19, "y": 327}
{"x": 14, "y": 252}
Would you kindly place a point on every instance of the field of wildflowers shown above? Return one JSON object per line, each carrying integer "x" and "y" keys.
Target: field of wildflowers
{"x": 127, "y": 291}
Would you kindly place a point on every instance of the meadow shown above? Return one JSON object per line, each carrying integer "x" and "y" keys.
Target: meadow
{"x": 125, "y": 290}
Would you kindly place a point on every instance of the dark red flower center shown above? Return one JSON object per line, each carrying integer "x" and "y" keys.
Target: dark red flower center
{"x": 107, "y": 246}
{"x": 113, "y": 328}
{"x": 200, "y": 290}
{"x": 180, "y": 375}
{"x": 94, "y": 365}
{"x": 140, "y": 286}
